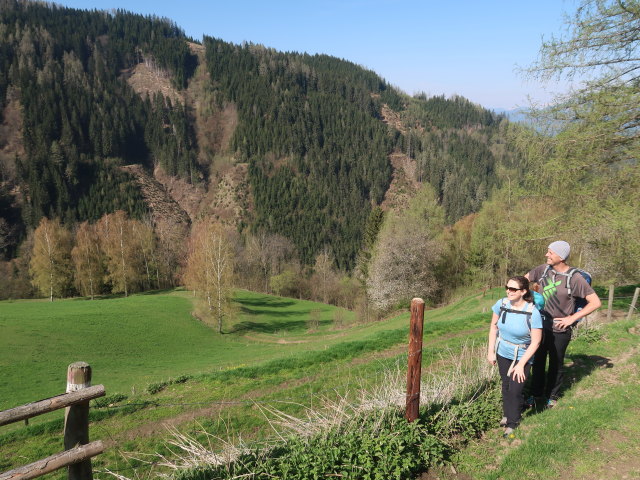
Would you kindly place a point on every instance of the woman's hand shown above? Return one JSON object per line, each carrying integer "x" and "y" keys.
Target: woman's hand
{"x": 517, "y": 374}
{"x": 491, "y": 358}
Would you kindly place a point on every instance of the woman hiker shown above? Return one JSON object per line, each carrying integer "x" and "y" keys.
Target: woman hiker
{"x": 514, "y": 336}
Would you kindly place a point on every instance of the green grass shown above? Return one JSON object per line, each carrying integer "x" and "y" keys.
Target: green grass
{"x": 267, "y": 355}
{"x": 600, "y": 404}
{"x": 623, "y": 295}
{"x": 131, "y": 342}
{"x": 211, "y": 384}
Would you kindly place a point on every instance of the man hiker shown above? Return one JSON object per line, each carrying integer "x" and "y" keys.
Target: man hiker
{"x": 563, "y": 288}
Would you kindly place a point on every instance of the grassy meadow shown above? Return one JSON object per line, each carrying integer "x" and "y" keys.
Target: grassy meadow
{"x": 269, "y": 354}
{"x": 132, "y": 342}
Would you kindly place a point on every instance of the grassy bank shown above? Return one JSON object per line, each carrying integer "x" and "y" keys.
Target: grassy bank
{"x": 593, "y": 431}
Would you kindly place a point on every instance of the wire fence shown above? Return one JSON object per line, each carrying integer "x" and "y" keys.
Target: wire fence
{"x": 353, "y": 386}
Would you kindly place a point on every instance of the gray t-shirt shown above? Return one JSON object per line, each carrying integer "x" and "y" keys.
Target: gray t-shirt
{"x": 557, "y": 301}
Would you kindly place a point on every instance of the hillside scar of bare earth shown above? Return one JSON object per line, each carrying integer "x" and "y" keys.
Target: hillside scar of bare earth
{"x": 147, "y": 80}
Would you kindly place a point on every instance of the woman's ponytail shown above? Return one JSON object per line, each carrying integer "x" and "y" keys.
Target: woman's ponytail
{"x": 523, "y": 283}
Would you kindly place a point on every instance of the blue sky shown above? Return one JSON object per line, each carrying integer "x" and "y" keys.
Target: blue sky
{"x": 470, "y": 47}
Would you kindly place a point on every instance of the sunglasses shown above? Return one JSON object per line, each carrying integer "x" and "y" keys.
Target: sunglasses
{"x": 511, "y": 289}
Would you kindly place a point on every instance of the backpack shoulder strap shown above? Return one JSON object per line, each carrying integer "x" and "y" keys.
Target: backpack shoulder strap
{"x": 569, "y": 275}
{"x": 528, "y": 311}
{"x": 503, "y": 310}
{"x": 544, "y": 274}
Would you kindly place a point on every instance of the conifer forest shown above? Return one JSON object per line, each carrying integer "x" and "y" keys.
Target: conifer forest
{"x": 120, "y": 137}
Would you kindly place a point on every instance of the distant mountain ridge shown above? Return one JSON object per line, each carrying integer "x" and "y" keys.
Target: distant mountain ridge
{"x": 519, "y": 114}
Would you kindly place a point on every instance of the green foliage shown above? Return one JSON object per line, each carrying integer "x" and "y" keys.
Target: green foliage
{"x": 157, "y": 387}
{"x": 368, "y": 453}
{"x": 590, "y": 141}
{"x": 444, "y": 113}
{"x": 370, "y": 446}
{"x": 108, "y": 400}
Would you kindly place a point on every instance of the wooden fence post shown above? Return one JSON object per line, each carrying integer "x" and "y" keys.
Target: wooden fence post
{"x": 632, "y": 307}
{"x": 76, "y": 419}
{"x": 415, "y": 359}
{"x": 610, "y": 306}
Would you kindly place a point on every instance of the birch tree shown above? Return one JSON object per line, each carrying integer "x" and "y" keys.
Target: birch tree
{"x": 209, "y": 269}
{"x": 50, "y": 265}
{"x": 324, "y": 278}
{"x": 145, "y": 240}
{"x": 88, "y": 260}
{"x": 123, "y": 262}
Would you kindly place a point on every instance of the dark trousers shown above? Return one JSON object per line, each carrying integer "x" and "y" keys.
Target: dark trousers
{"x": 512, "y": 395}
{"x": 554, "y": 345}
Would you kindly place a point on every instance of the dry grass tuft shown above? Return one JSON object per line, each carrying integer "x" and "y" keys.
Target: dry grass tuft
{"x": 464, "y": 375}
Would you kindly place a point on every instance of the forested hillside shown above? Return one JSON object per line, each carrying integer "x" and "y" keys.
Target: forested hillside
{"x": 310, "y": 128}
{"x": 60, "y": 71}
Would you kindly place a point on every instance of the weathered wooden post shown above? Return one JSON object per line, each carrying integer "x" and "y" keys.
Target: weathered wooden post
{"x": 632, "y": 307}
{"x": 76, "y": 419}
{"x": 415, "y": 359}
{"x": 610, "y": 306}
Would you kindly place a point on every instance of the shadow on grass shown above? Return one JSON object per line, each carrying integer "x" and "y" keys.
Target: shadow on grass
{"x": 157, "y": 292}
{"x": 582, "y": 366}
{"x": 265, "y": 302}
{"x": 111, "y": 296}
{"x": 274, "y": 326}
{"x": 269, "y": 312}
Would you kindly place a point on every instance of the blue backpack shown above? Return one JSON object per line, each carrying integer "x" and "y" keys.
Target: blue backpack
{"x": 538, "y": 300}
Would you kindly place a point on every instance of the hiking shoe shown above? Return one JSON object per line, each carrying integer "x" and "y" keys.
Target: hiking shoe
{"x": 551, "y": 403}
{"x": 508, "y": 433}
{"x": 503, "y": 422}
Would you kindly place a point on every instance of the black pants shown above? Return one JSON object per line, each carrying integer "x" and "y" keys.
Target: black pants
{"x": 554, "y": 345}
{"x": 512, "y": 396}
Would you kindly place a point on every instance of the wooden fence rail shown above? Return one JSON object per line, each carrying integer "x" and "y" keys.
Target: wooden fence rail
{"x": 78, "y": 450}
{"x": 54, "y": 462}
{"x": 50, "y": 404}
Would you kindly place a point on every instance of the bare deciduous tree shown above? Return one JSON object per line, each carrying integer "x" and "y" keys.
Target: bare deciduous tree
{"x": 88, "y": 259}
{"x": 268, "y": 253}
{"x": 124, "y": 264}
{"x": 209, "y": 268}
{"x": 50, "y": 265}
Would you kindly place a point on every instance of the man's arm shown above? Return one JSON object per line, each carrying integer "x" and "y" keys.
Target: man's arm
{"x": 593, "y": 303}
